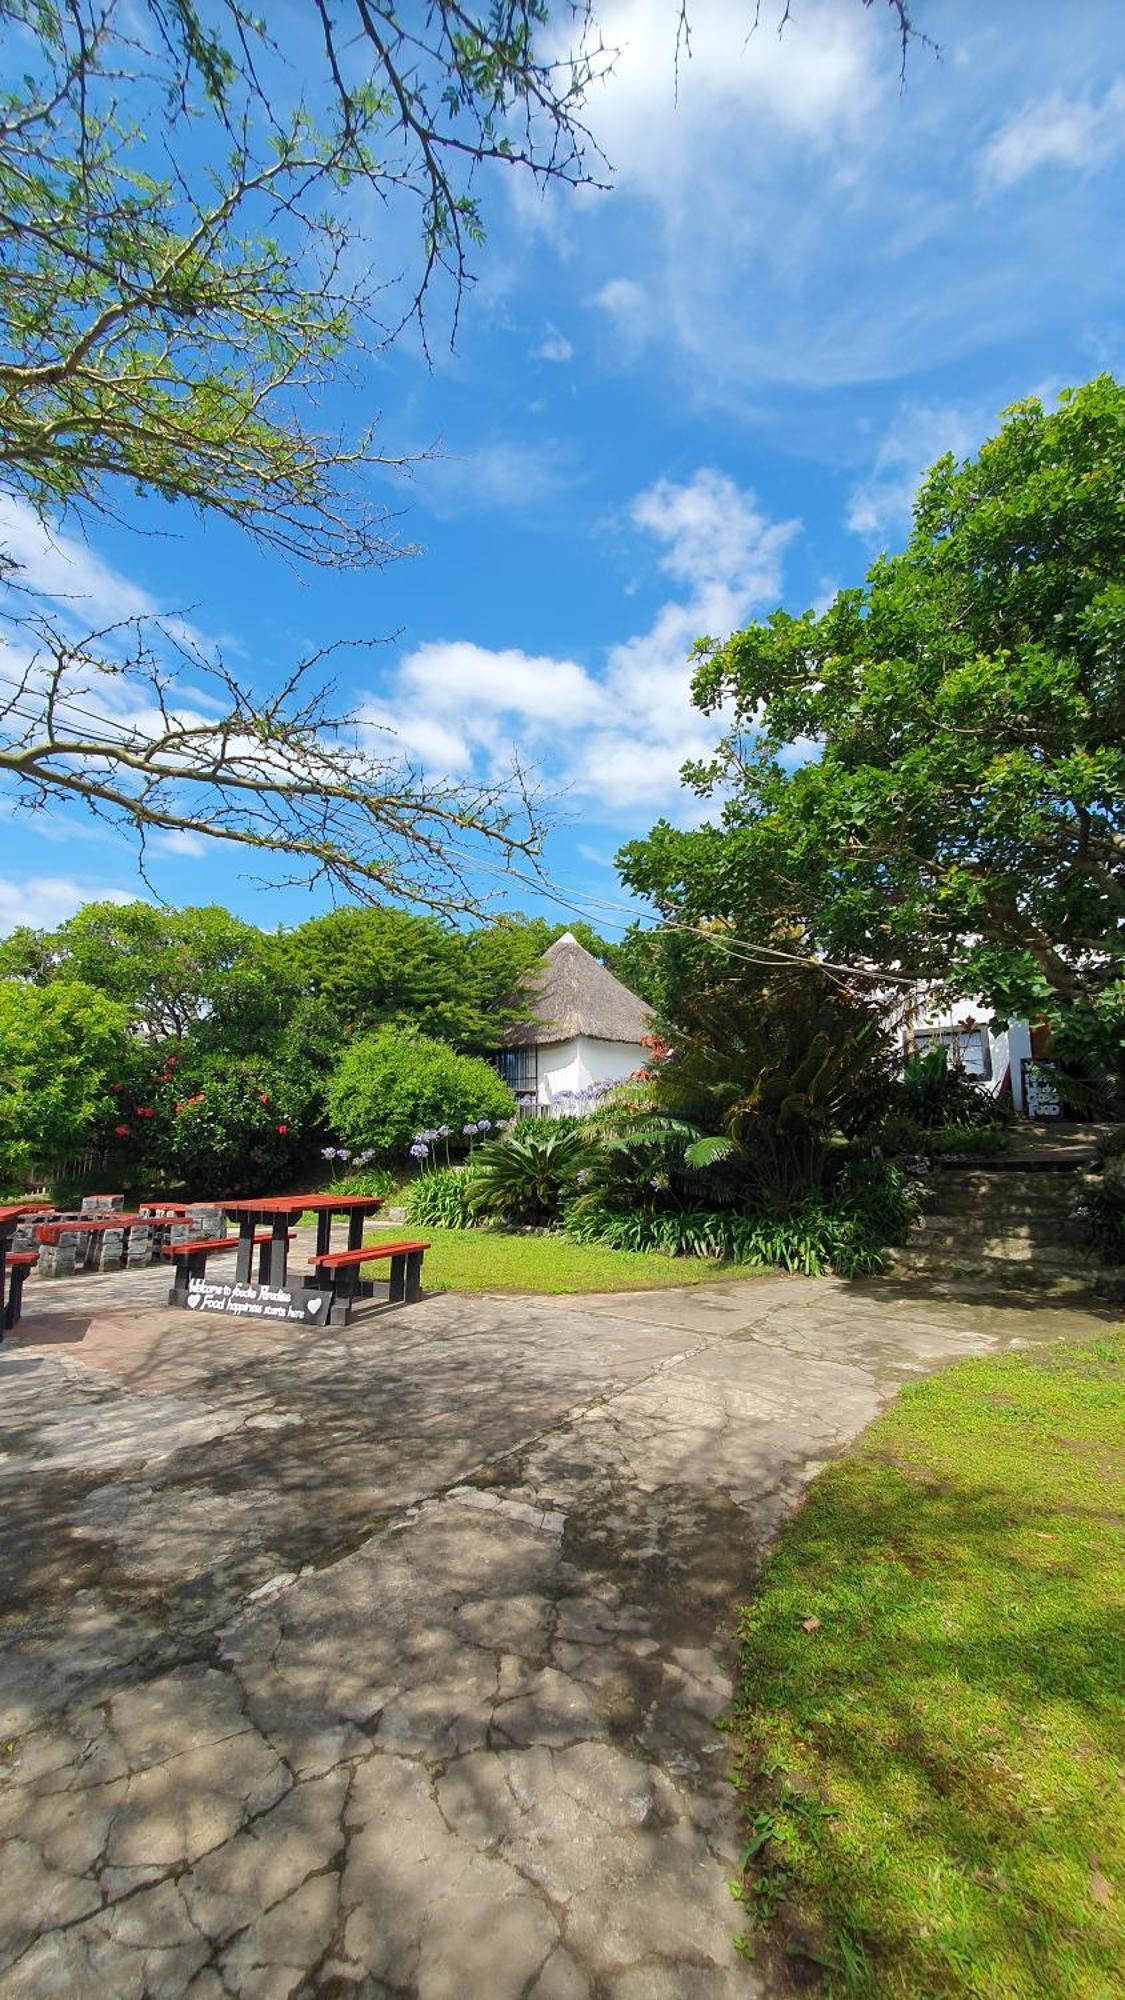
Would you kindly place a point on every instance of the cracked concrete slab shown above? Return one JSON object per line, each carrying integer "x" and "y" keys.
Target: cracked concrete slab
{"x": 389, "y": 1661}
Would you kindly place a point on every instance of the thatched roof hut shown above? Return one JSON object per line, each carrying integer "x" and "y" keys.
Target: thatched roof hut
{"x": 571, "y": 995}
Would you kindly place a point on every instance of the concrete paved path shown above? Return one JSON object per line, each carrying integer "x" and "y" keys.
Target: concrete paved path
{"x": 388, "y": 1663}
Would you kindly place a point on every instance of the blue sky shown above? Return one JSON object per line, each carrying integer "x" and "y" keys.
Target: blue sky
{"x": 671, "y": 407}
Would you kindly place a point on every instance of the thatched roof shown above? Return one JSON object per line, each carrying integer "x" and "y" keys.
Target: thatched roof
{"x": 569, "y": 994}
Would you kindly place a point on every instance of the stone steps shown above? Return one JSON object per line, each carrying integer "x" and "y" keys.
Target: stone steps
{"x": 1003, "y": 1226}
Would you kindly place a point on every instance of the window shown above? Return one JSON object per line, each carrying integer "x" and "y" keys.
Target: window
{"x": 518, "y": 1068}
{"x": 968, "y": 1046}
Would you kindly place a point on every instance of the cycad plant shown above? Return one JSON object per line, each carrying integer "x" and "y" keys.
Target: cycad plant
{"x": 766, "y": 1080}
{"x": 528, "y": 1177}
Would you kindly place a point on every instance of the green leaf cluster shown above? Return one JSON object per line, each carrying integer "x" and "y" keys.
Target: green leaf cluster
{"x": 929, "y": 776}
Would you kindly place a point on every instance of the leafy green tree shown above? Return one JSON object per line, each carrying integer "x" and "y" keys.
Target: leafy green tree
{"x": 929, "y": 777}
{"x": 369, "y": 968}
{"x": 389, "y": 1087}
{"x": 62, "y": 1048}
{"x": 197, "y": 972}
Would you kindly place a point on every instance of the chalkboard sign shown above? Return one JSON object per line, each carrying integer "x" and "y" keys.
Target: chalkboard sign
{"x": 257, "y": 1302}
{"x": 1041, "y": 1090}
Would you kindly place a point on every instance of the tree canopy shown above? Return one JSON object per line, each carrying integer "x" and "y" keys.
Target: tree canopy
{"x": 929, "y": 777}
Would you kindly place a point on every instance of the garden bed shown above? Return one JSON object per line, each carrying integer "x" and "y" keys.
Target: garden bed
{"x": 930, "y": 1697}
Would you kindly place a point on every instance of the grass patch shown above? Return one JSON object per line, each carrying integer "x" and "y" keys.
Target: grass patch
{"x": 931, "y": 1773}
{"x": 484, "y": 1260}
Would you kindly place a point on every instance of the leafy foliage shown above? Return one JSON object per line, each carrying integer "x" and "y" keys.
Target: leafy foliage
{"x": 193, "y": 972}
{"x": 230, "y": 1125}
{"x": 388, "y": 1086}
{"x": 961, "y": 819}
{"x": 812, "y": 1236}
{"x": 933, "y": 1092}
{"x": 61, "y": 1051}
{"x": 186, "y": 262}
{"x": 442, "y": 1198}
{"x": 1100, "y": 1207}
{"x": 527, "y": 1176}
{"x": 766, "y": 1075}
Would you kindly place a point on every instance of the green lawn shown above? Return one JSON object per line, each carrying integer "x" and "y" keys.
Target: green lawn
{"x": 478, "y": 1260}
{"x": 933, "y": 1774}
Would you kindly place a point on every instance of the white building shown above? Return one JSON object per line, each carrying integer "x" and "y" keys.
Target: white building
{"x": 586, "y": 1028}
{"x": 997, "y": 1055}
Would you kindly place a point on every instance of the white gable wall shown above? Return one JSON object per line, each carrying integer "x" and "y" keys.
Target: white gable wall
{"x": 572, "y": 1065}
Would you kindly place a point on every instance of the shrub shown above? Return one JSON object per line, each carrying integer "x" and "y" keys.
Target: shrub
{"x": 442, "y": 1198}
{"x": 539, "y": 1125}
{"x": 897, "y": 1133}
{"x": 527, "y": 1176}
{"x": 1100, "y": 1207}
{"x": 873, "y": 1206}
{"x": 394, "y": 1085}
{"x": 63, "y": 1048}
{"x": 935, "y": 1093}
{"x": 240, "y": 1124}
{"x": 379, "y": 1182}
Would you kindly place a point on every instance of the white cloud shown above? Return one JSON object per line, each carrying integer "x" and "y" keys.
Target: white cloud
{"x": 178, "y": 841}
{"x": 618, "y": 737}
{"x": 1057, "y": 131}
{"x": 554, "y": 346}
{"x": 629, "y": 309}
{"x": 502, "y": 476}
{"x": 880, "y": 505}
{"x": 795, "y": 219}
{"x": 66, "y": 569}
{"x": 42, "y": 901}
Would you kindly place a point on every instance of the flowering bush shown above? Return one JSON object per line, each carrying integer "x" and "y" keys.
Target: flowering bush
{"x": 243, "y": 1126}
{"x": 402, "y": 1095}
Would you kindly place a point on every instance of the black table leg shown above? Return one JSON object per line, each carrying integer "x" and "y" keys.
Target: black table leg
{"x": 279, "y": 1251}
{"x": 244, "y": 1257}
{"x": 3, "y": 1294}
{"x": 324, "y": 1232}
{"x": 356, "y": 1220}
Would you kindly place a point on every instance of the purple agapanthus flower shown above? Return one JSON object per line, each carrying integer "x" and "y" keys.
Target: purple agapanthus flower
{"x": 484, "y": 1125}
{"x": 470, "y": 1130}
{"x": 419, "y": 1151}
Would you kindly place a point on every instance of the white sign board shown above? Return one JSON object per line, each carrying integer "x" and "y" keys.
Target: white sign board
{"x": 1041, "y": 1090}
{"x": 257, "y": 1302}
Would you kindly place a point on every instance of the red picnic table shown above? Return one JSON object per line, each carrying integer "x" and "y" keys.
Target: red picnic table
{"x": 14, "y": 1267}
{"x": 333, "y": 1285}
{"x": 277, "y": 1214}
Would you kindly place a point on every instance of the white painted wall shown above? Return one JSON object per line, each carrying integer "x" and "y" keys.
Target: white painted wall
{"x": 1008, "y": 1046}
{"x": 570, "y": 1066}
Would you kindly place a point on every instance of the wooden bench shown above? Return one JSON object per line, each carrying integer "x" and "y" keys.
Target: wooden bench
{"x": 342, "y": 1267}
{"x": 88, "y": 1225}
{"x": 17, "y": 1264}
{"x": 191, "y": 1257}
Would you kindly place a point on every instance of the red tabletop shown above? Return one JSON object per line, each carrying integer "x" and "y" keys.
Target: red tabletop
{"x": 18, "y": 1208}
{"x": 266, "y": 1203}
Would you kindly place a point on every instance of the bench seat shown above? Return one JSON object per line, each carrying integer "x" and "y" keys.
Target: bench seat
{"x": 343, "y": 1267}
{"x": 212, "y": 1245}
{"x": 17, "y": 1264}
